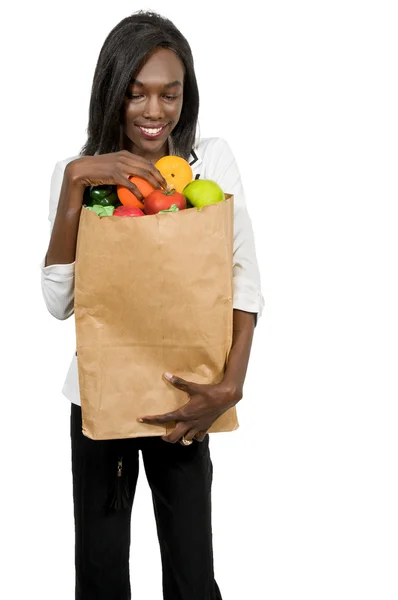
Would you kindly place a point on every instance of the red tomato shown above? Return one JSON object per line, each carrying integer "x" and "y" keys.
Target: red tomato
{"x": 162, "y": 200}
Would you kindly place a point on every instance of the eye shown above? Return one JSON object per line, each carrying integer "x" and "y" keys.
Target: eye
{"x": 134, "y": 96}
{"x": 169, "y": 97}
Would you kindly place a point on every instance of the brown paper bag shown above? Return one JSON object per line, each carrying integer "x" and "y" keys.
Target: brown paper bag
{"x": 152, "y": 294}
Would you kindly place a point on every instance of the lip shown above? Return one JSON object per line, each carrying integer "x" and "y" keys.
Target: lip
{"x": 148, "y": 136}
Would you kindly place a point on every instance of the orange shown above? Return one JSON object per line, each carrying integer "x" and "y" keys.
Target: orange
{"x": 176, "y": 171}
{"x": 127, "y": 198}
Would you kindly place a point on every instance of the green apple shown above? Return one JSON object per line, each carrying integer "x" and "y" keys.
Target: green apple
{"x": 202, "y": 192}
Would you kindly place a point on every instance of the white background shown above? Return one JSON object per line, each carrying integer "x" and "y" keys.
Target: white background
{"x": 305, "y": 492}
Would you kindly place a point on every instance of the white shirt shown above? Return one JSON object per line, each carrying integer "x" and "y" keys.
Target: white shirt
{"x": 210, "y": 159}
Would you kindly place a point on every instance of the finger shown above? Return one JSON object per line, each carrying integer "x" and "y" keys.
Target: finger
{"x": 200, "y": 436}
{"x": 162, "y": 181}
{"x": 149, "y": 176}
{"x": 178, "y": 432}
{"x": 177, "y": 415}
{"x": 158, "y": 176}
{"x": 133, "y": 189}
{"x": 189, "y": 436}
{"x": 182, "y": 384}
{"x": 146, "y": 168}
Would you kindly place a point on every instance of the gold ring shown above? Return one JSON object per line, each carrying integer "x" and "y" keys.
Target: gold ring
{"x": 186, "y": 442}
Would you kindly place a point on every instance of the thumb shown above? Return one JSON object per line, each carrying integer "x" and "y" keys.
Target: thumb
{"x": 181, "y": 384}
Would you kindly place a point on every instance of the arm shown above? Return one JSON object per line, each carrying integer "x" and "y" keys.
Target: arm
{"x": 67, "y": 188}
{"x": 248, "y": 301}
{"x": 246, "y": 273}
{"x": 58, "y": 268}
{"x": 62, "y": 246}
{"x": 208, "y": 402}
{"x": 238, "y": 360}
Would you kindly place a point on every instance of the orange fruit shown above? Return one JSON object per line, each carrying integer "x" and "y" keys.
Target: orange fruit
{"x": 127, "y": 198}
{"x": 176, "y": 171}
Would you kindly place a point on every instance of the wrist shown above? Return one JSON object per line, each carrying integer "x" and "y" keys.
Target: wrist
{"x": 72, "y": 191}
{"x": 231, "y": 392}
{"x": 74, "y": 176}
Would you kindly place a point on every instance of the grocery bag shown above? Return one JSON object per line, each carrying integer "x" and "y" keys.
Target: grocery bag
{"x": 153, "y": 294}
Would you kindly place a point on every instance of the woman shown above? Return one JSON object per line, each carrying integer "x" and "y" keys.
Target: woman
{"x": 144, "y": 105}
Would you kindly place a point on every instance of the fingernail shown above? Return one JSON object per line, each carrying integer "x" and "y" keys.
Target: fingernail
{"x": 140, "y": 420}
{"x": 168, "y": 375}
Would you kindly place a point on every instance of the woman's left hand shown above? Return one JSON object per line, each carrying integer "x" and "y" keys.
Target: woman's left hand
{"x": 206, "y": 403}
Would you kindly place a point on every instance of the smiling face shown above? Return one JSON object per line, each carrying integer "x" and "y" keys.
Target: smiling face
{"x": 153, "y": 104}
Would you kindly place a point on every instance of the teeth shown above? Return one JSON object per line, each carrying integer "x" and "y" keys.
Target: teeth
{"x": 151, "y": 131}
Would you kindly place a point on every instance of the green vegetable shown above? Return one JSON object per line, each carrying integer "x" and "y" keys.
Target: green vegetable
{"x": 102, "y": 211}
{"x": 101, "y": 195}
{"x": 98, "y": 192}
{"x": 173, "y": 208}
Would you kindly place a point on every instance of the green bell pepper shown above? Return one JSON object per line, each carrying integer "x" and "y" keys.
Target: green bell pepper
{"x": 101, "y": 195}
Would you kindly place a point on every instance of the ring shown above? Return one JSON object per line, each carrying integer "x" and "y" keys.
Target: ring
{"x": 186, "y": 442}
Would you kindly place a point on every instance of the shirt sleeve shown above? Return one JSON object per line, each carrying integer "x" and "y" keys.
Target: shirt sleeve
{"x": 246, "y": 275}
{"x": 57, "y": 281}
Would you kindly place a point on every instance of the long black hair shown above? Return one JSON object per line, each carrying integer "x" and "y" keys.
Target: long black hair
{"x": 122, "y": 54}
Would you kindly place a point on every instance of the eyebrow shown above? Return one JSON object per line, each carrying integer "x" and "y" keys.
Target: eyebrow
{"x": 166, "y": 85}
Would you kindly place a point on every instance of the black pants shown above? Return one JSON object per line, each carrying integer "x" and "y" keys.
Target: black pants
{"x": 180, "y": 478}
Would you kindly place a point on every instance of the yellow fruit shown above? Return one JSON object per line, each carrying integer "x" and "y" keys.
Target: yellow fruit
{"x": 176, "y": 171}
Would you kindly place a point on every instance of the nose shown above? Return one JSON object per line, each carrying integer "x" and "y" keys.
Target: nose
{"x": 153, "y": 108}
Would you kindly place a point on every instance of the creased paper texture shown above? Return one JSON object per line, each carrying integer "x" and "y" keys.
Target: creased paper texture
{"x": 152, "y": 294}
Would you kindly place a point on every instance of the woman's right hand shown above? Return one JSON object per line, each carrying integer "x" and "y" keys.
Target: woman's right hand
{"x": 114, "y": 168}
{"x": 103, "y": 169}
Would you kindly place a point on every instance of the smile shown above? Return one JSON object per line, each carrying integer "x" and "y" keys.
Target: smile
{"x": 151, "y": 132}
